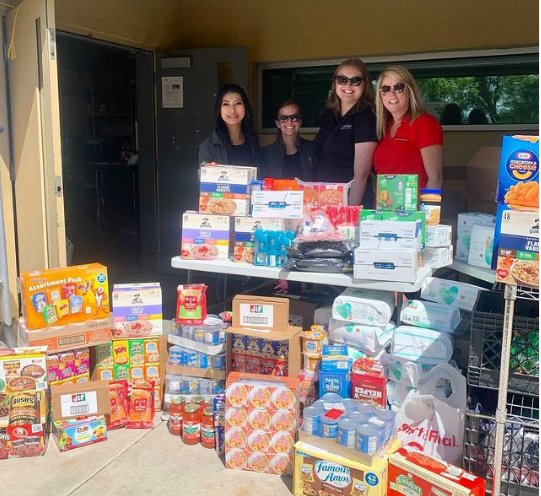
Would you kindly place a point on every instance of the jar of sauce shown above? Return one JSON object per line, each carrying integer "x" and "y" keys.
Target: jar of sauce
{"x": 176, "y": 411}
{"x": 207, "y": 428}
{"x": 191, "y": 424}
{"x": 200, "y": 402}
{"x": 431, "y": 204}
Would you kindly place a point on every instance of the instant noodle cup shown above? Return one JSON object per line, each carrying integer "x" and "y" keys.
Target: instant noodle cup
{"x": 311, "y": 361}
{"x": 258, "y": 462}
{"x": 236, "y": 394}
{"x": 235, "y": 438}
{"x": 236, "y": 459}
{"x": 312, "y": 341}
{"x": 283, "y": 397}
{"x": 281, "y": 465}
{"x": 282, "y": 442}
{"x": 236, "y": 417}
{"x": 258, "y": 441}
{"x": 260, "y": 396}
{"x": 283, "y": 420}
{"x": 259, "y": 419}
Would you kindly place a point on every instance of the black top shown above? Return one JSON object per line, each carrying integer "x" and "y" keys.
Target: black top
{"x": 242, "y": 155}
{"x": 292, "y": 166}
{"x": 335, "y": 143}
{"x": 275, "y": 162}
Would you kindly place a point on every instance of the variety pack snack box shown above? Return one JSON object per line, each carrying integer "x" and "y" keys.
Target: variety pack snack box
{"x": 65, "y": 295}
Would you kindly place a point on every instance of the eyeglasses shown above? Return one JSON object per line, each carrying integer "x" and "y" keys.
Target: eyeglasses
{"x": 293, "y": 117}
{"x": 355, "y": 81}
{"x": 397, "y": 88}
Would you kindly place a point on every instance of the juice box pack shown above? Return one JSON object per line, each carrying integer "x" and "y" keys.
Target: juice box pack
{"x": 65, "y": 295}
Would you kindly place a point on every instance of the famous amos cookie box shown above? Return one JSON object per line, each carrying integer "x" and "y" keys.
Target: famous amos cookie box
{"x": 65, "y": 295}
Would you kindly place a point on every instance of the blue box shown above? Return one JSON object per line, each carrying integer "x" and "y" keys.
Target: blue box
{"x": 334, "y": 358}
{"x": 334, "y": 382}
{"x": 519, "y": 162}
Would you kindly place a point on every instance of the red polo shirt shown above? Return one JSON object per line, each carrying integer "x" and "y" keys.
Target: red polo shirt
{"x": 401, "y": 154}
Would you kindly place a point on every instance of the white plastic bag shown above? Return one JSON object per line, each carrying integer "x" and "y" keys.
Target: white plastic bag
{"x": 432, "y": 423}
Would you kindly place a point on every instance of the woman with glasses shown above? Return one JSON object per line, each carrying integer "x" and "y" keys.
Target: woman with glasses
{"x": 290, "y": 155}
{"x": 411, "y": 140}
{"x": 234, "y": 140}
{"x": 347, "y": 136}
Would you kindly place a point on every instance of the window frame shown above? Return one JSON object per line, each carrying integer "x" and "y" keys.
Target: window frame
{"x": 398, "y": 59}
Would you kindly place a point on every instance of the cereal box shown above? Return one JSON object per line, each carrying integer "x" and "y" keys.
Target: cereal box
{"x": 225, "y": 190}
{"x": 243, "y": 236}
{"x": 413, "y": 472}
{"x": 397, "y": 192}
{"x": 137, "y": 310}
{"x": 318, "y": 472}
{"x": 518, "y": 180}
{"x": 204, "y": 236}
{"x": 517, "y": 246}
{"x": 85, "y": 288}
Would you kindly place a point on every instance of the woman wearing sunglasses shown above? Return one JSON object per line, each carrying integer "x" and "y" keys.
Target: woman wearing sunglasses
{"x": 411, "y": 140}
{"x": 234, "y": 140}
{"x": 290, "y": 155}
{"x": 347, "y": 136}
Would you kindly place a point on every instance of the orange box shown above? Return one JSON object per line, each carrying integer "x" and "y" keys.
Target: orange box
{"x": 152, "y": 373}
{"x": 152, "y": 350}
{"x": 41, "y": 293}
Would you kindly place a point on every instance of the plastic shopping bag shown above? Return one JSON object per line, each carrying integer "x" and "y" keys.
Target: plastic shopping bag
{"x": 432, "y": 422}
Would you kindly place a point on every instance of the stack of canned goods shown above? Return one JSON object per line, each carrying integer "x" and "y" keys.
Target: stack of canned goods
{"x": 361, "y": 426}
{"x": 185, "y": 357}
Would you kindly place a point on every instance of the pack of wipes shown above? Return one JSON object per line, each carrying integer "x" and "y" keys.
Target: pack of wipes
{"x": 450, "y": 293}
{"x": 422, "y": 345}
{"x": 364, "y": 306}
{"x": 464, "y": 228}
{"x": 404, "y": 371}
{"x": 481, "y": 246}
{"x": 369, "y": 339}
{"x": 428, "y": 315}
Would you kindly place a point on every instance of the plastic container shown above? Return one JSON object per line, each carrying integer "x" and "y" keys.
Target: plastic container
{"x": 312, "y": 341}
{"x": 320, "y": 405}
{"x": 431, "y": 204}
{"x": 207, "y": 428}
{"x": 332, "y": 398}
{"x": 388, "y": 417}
{"x": 347, "y": 433}
{"x": 191, "y": 424}
{"x": 311, "y": 362}
{"x": 359, "y": 417}
{"x": 366, "y": 408}
{"x": 312, "y": 420}
{"x": 350, "y": 404}
{"x": 329, "y": 427}
{"x": 176, "y": 412}
{"x": 367, "y": 439}
{"x": 381, "y": 426}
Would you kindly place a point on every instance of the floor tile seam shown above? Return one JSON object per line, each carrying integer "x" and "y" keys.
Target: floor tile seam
{"x": 129, "y": 447}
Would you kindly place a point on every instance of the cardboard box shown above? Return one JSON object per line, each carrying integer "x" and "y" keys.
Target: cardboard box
{"x": 137, "y": 310}
{"x": 319, "y": 471}
{"x": 33, "y": 399}
{"x": 465, "y": 224}
{"x": 242, "y": 242}
{"x": 519, "y": 163}
{"x": 277, "y": 204}
{"x": 397, "y": 192}
{"x": 438, "y": 236}
{"x": 517, "y": 245}
{"x": 67, "y": 337}
{"x": 225, "y": 189}
{"x": 76, "y": 400}
{"x": 261, "y": 312}
{"x": 23, "y": 441}
{"x": 412, "y": 472}
{"x": 23, "y": 369}
{"x": 65, "y": 295}
{"x": 401, "y": 266}
{"x": 259, "y": 352}
{"x": 66, "y": 364}
{"x": 369, "y": 382}
{"x": 435, "y": 258}
{"x": 75, "y": 433}
{"x": 334, "y": 382}
{"x": 481, "y": 180}
{"x": 204, "y": 236}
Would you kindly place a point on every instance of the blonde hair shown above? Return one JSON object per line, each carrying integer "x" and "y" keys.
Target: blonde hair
{"x": 416, "y": 105}
{"x": 367, "y": 97}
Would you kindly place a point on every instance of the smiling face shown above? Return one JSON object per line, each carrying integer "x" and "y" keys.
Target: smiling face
{"x": 348, "y": 94}
{"x": 288, "y": 127}
{"x": 232, "y": 109}
{"x": 398, "y": 104}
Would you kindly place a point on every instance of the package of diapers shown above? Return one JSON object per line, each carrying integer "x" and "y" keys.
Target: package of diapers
{"x": 404, "y": 371}
{"x": 397, "y": 392}
{"x": 451, "y": 293}
{"x": 435, "y": 316}
{"x": 421, "y": 345}
{"x": 369, "y": 339}
{"x": 363, "y": 306}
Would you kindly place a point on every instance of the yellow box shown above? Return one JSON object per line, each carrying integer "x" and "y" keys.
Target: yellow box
{"x": 65, "y": 295}
{"x": 319, "y": 472}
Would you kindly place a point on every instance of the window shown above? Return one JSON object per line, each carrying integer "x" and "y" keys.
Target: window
{"x": 489, "y": 87}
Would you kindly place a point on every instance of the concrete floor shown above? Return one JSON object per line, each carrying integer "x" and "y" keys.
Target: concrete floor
{"x": 134, "y": 462}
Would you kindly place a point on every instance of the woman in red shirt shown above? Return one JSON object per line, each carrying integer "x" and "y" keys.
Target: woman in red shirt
{"x": 411, "y": 140}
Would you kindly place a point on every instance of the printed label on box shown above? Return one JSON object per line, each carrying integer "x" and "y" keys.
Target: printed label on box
{"x": 79, "y": 404}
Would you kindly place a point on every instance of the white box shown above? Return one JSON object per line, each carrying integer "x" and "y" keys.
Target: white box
{"x": 390, "y": 243}
{"x": 391, "y": 229}
{"x": 436, "y": 258}
{"x": 398, "y": 266}
{"x": 226, "y": 190}
{"x": 481, "y": 246}
{"x": 461, "y": 294}
{"x": 242, "y": 243}
{"x": 137, "y": 310}
{"x": 277, "y": 204}
{"x": 464, "y": 228}
{"x": 205, "y": 237}
{"x": 440, "y": 235}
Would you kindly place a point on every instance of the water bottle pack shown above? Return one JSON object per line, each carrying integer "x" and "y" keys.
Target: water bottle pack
{"x": 211, "y": 333}
{"x": 185, "y": 357}
{"x": 185, "y": 385}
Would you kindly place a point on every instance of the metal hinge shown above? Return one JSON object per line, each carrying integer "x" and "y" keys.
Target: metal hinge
{"x": 58, "y": 185}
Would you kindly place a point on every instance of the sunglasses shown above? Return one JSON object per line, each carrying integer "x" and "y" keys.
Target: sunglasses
{"x": 397, "y": 88}
{"x": 293, "y": 117}
{"x": 355, "y": 81}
